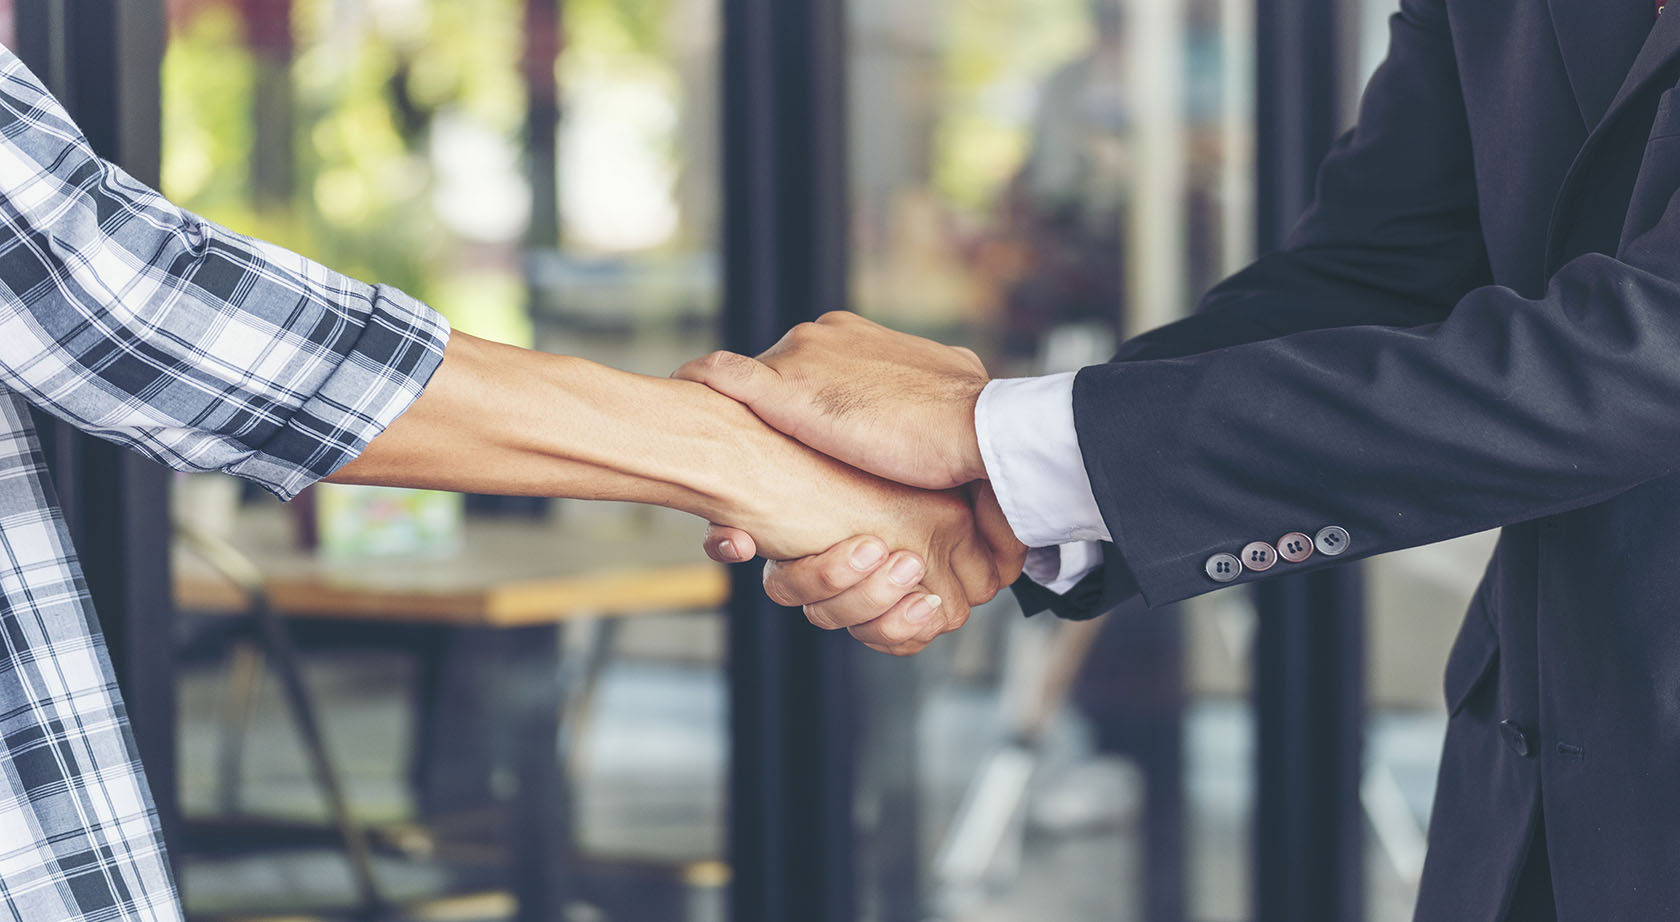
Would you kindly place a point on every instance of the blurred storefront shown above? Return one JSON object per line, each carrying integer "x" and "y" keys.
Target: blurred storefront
{"x": 489, "y": 708}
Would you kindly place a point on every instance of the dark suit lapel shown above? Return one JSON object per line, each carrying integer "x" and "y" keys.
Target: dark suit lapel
{"x": 1662, "y": 45}
{"x": 1599, "y": 39}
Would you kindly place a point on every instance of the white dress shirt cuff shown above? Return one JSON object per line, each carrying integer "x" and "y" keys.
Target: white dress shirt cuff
{"x": 1059, "y": 569}
{"x": 1031, "y": 450}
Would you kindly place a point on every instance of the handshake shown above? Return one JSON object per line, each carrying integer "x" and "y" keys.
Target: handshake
{"x": 859, "y": 475}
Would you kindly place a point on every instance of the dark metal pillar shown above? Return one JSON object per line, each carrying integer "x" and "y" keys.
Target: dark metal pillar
{"x": 1310, "y": 652}
{"x": 268, "y": 36}
{"x": 785, "y": 228}
{"x": 542, "y": 119}
{"x": 101, "y": 58}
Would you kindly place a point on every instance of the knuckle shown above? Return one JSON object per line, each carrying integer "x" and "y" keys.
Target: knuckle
{"x": 832, "y": 579}
{"x": 726, "y": 364}
{"x": 774, "y": 586}
{"x": 880, "y": 595}
{"x": 719, "y": 359}
{"x": 820, "y": 618}
{"x": 897, "y": 630}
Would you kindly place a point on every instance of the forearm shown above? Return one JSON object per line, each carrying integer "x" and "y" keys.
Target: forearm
{"x": 503, "y": 420}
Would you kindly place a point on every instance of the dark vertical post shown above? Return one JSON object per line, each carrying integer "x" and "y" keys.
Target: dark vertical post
{"x": 268, "y": 34}
{"x": 101, "y": 57}
{"x": 542, "y": 120}
{"x": 785, "y": 230}
{"x": 1310, "y": 669}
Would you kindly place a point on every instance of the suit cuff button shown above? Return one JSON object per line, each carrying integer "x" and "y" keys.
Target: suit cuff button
{"x": 1259, "y": 556}
{"x": 1223, "y": 568}
{"x": 1333, "y": 541}
{"x": 1515, "y": 737}
{"x": 1295, "y": 547}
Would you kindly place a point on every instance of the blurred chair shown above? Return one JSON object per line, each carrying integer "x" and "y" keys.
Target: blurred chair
{"x": 261, "y": 638}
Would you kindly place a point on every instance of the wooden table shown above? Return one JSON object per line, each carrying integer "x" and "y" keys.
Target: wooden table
{"x": 505, "y": 574}
{"x": 499, "y": 603}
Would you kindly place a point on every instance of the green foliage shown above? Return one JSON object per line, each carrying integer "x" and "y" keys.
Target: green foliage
{"x": 207, "y": 90}
{"x": 365, "y": 87}
{"x": 995, "y": 54}
{"x": 618, "y": 27}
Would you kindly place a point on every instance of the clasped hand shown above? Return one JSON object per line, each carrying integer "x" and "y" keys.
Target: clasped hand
{"x": 900, "y": 408}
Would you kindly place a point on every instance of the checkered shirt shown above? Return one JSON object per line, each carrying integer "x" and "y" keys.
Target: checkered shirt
{"x": 203, "y": 349}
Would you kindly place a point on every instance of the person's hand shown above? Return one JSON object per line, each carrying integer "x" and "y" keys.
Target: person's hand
{"x": 857, "y": 584}
{"x": 886, "y": 402}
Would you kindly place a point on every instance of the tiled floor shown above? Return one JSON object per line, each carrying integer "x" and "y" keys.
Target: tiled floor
{"x": 653, "y": 781}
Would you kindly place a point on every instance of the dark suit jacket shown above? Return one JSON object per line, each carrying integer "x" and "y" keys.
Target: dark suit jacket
{"x": 1477, "y": 324}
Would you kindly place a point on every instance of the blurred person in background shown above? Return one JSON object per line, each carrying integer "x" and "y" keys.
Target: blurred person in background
{"x": 1067, "y": 207}
{"x": 143, "y": 324}
{"x": 1475, "y": 325}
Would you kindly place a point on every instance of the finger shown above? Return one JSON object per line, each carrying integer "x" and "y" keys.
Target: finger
{"x": 729, "y": 545}
{"x": 839, "y": 318}
{"x": 740, "y": 377}
{"x": 901, "y": 651}
{"x": 809, "y": 580}
{"x": 1008, "y": 553}
{"x": 975, "y": 569}
{"x": 912, "y": 624}
{"x": 876, "y": 595}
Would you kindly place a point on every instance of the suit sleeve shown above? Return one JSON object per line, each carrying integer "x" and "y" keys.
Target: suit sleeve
{"x": 1392, "y": 242}
{"x": 1507, "y": 409}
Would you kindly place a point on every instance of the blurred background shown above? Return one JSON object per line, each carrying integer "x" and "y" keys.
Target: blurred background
{"x": 397, "y": 704}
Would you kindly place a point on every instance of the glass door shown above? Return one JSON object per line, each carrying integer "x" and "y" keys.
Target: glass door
{"x": 1038, "y": 179}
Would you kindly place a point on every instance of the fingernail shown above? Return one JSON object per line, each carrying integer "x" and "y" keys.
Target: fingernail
{"x": 727, "y": 549}
{"x": 906, "y": 570}
{"x": 867, "y": 555}
{"x": 923, "y": 609}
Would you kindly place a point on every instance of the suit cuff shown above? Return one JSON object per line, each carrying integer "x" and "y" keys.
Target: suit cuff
{"x": 1031, "y": 450}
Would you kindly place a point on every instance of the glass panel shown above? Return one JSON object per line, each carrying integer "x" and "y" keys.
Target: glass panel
{"x": 1035, "y": 179}
{"x": 556, "y": 195}
{"x": 1415, "y": 601}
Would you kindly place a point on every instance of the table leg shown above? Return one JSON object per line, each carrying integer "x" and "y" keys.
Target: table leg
{"x": 889, "y": 865}
{"x": 529, "y": 699}
{"x": 455, "y": 719}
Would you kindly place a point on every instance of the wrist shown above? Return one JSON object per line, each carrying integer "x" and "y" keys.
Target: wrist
{"x": 971, "y": 461}
{"x": 595, "y": 432}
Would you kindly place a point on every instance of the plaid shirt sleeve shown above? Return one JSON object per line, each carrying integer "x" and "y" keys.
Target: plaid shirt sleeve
{"x": 146, "y": 325}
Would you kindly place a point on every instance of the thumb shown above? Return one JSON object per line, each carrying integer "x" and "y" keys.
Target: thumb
{"x": 736, "y": 376}
{"x": 729, "y": 545}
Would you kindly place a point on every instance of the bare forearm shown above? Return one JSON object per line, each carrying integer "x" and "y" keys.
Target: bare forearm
{"x": 496, "y": 419}
{"x": 503, "y": 420}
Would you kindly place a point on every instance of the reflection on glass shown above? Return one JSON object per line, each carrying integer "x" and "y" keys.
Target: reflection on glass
{"x": 1414, "y": 601}
{"x": 1037, "y": 179}
{"x": 543, "y": 173}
